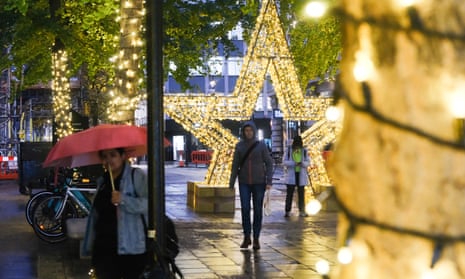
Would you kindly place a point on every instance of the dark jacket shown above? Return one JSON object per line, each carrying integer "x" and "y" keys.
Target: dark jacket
{"x": 258, "y": 167}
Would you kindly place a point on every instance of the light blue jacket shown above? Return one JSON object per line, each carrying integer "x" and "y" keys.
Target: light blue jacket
{"x": 134, "y": 204}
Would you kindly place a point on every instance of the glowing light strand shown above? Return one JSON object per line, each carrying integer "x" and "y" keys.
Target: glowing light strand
{"x": 127, "y": 62}
{"x": 268, "y": 52}
{"x": 369, "y": 110}
{"x": 61, "y": 94}
{"x": 439, "y": 240}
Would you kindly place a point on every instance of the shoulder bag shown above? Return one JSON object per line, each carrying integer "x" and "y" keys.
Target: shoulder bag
{"x": 247, "y": 155}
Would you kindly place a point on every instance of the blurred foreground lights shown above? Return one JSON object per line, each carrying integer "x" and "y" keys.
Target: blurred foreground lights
{"x": 344, "y": 256}
{"x": 364, "y": 68}
{"x": 315, "y": 9}
{"x": 428, "y": 275}
{"x": 313, "y": 207}
{"x": 333, "y": 113}
{"x": 457, "y": 109}
{"x": 406, "y": 3}
{"x": 322, "y": 267}
{"x": 457, "y": 104}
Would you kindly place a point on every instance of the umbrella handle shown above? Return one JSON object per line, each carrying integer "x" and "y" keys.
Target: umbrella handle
{"x": 111, "y": 178}
{"x": 112, "y": 182}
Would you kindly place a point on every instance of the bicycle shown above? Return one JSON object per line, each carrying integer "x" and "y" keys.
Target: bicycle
{"x": 34, "y": 200}
{"x": 64, "y": 176}
{"x": 50, "y": 214}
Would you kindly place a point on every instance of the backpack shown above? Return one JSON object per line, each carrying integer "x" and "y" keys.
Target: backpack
{"x": 172, "y": 246}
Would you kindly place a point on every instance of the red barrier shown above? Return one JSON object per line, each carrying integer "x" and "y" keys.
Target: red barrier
{"x": 326, "y": 154}
{"x": 8, "y": 167}
{"x": 201, "y": 157}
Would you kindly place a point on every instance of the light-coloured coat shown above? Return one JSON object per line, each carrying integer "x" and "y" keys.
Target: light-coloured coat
{"x": 134, "y": 205}
{"x": 289, "y": 165}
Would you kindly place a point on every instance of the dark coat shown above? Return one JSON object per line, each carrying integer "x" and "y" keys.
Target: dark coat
{"x": 257, "y": 168}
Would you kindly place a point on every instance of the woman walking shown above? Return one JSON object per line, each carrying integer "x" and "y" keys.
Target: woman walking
{"x": 296, "y": 160}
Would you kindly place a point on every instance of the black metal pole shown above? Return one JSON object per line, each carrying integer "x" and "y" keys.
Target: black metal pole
{"x": 156, "y": 166}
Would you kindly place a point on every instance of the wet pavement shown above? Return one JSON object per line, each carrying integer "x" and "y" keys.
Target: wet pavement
{"x": 209, "y": 243}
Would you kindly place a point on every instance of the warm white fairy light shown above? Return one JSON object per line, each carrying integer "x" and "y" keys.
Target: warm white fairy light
{"x": 61, "y": 94}
{"x": 333, "y": 113}
{"x": 315, "y": 139}
{"x": 364, "y": 67}
{"x": 428, "y": 274}
{"x": 316, "y": 9}
{"x": 270, "y": 50}
{"x": 322, "y": 267}
{"x": 344, "y": 255}
{"x": 430, "y": 264}
{"x": 313, "y": 207}
{"x": 407, "y": 3}
{"x": 457, "y": 104}
{"x": 128, "y": 61}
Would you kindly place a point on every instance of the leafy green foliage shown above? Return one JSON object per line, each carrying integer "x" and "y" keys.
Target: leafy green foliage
{"x": 192, "y": 32}
{"x": 91, "y": 34}
{"x": 193, "y": 29}
{"x": 316, "y": 44}
{"x": 28, "y": 36}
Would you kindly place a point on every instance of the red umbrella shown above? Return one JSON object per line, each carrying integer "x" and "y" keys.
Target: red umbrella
{"x": 166, "y": 142}
{"x": 81, "y": 149}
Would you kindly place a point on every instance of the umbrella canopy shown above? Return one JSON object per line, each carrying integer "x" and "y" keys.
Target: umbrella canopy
{"x": 166, "y": 142}
{"x": 81, "y": 149}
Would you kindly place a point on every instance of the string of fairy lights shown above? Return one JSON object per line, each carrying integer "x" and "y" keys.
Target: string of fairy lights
{"x": 268, "y": 52}
{"x": 61, "y": 94}
{"x": 126, "y": 94}
{"x": 364, "y": 70}
{"x": 200, "y": 114}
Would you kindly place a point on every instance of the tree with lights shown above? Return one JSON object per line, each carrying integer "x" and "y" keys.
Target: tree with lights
{"x": 398, "y": 164}
{"x": 91, "y": 35}
{"x": 90, "y": 32}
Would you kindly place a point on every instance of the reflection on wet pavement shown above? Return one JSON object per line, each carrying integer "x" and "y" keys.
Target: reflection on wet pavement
{"x": 209, "y": 242}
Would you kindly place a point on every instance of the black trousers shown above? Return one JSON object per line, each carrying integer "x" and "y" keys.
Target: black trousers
{"x": 114, "y": 266}
{"x": 300, "y": 194}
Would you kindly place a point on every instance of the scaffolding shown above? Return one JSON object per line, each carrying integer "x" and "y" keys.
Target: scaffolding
{"x": 9, "y": 142}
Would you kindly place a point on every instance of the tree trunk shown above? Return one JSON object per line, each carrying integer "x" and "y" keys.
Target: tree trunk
{"x": 127, "y": 77}
{"x": 398, "y": 165}
{"x": 61, "y": 91}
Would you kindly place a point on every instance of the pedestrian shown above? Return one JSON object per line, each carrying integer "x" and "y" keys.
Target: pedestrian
{"x": 296, "y": 161}
{"x": 253, "y": 166}
{"x": 115, "y": 235}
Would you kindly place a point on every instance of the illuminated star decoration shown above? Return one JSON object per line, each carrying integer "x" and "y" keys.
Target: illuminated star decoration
{"x": 268, "y": 52}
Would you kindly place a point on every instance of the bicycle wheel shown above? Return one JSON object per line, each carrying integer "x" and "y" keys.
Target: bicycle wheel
{"x": 33, "y": 202}
{"x": 48, "y": 224}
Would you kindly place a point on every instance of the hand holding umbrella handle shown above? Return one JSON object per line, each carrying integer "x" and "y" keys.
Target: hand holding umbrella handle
{"x": 112, "y": 182}
{"x": 116, "y": 197}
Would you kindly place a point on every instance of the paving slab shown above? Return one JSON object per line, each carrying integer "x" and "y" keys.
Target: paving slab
{"x": 209, "y": 243}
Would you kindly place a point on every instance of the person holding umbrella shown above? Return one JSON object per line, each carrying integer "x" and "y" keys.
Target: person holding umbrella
{"x": 115, "y": 235}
